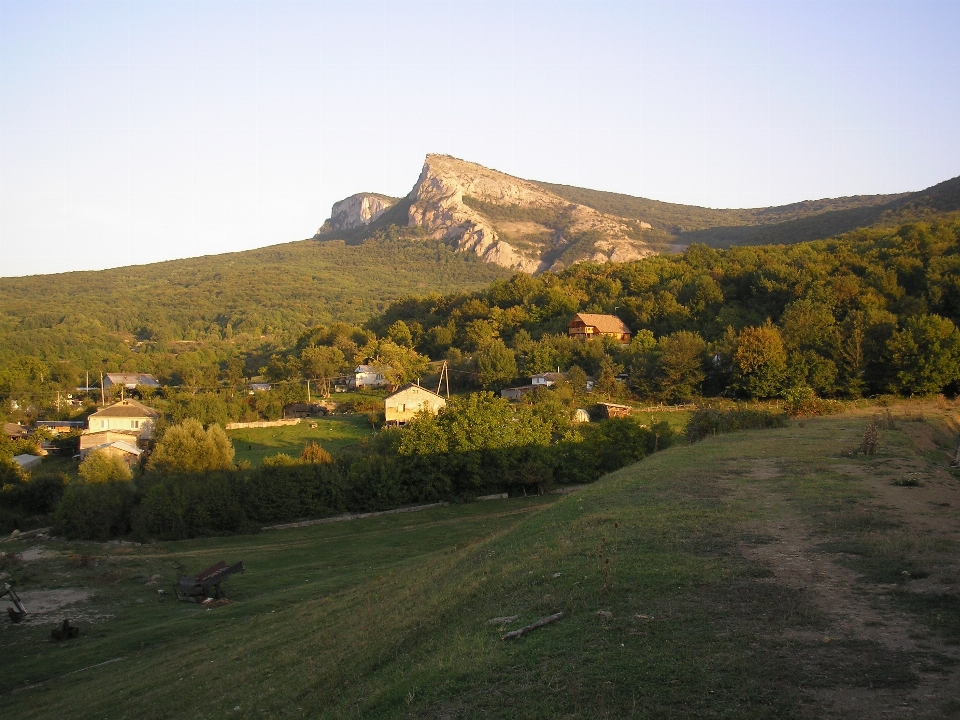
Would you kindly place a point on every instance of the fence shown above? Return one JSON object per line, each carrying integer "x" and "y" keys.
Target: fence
{"x": 262, "y": 424}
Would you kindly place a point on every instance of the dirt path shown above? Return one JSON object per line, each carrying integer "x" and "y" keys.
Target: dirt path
{"x": 856, "y": 608}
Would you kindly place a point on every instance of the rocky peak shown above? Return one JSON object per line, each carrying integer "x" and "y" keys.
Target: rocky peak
{"x": 512, "y": 222}
{"x": 503, "y": 219}
{"x": 356, "y": 211}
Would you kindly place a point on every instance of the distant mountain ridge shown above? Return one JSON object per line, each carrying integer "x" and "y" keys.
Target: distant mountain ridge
{"x": 533, "y": 226}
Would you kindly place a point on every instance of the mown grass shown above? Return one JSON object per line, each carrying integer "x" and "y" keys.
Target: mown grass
{"x": 334, "y": 433}
{"x": 388, "y": 617}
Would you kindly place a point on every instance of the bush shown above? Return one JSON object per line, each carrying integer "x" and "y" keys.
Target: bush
{"x": 708, "y": 421}
{"x": 101, "y": 466}
{"x": 95, "y": 512}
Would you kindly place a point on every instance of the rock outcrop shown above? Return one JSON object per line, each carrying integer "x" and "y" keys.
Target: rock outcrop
{"x": 502, "y": 219}
{"x": 356, "y": 211}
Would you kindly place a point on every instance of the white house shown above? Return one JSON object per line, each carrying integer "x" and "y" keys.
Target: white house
{"x": 547, "y": 379}
{"x": 126, "y": 416}
{"x": 403, "y": 405}
{"x": 367, "y": 376}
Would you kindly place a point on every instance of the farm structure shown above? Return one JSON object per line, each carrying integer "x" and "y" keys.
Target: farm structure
{"x": 404, "y": 404}
{"x": 612, "y": 410}
{"x": 586, "y": 326}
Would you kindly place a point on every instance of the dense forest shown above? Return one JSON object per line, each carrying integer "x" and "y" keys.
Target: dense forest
{"x": 870, "y": 312}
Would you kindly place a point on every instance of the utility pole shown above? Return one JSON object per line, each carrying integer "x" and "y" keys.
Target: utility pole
{"x": 103, "y": 400}
{"x": 308, "y": 389}
{"x": 444, "y": 373}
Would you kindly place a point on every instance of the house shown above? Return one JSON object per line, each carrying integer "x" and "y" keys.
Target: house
{"x": 367, "y": 376}
{"x": 126, "y": 416}
{"x": 586, "y": 326}
{"x": 27, "y": 462}
{"x": 128, "y": 380}
{"x": 128, "y": 452}
{"x": 547, "y": 379}
{"x": 612, "y": 410}
{"x": 515, "y": 393}
{"x": 14, "y": 431}
{"x": 259, "y": 387}
{"x": 403, "y": 405}
{"x": 57, "y": 427}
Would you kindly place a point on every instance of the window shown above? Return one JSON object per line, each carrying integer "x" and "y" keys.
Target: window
{"x": 134, "y": 423}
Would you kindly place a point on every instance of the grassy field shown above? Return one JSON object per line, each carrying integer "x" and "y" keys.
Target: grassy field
{"x": 761, "y": 574}
{"x": 333, "y": 433}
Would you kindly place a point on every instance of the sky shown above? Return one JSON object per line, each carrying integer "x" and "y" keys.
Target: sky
{"x": 135, "y": 132}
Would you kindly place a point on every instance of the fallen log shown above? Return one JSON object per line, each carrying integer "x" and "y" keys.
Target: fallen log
{"x": 513, "y": 635}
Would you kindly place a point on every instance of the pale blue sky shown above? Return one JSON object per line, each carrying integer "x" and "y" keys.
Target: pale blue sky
{"x": 133, "y": 132}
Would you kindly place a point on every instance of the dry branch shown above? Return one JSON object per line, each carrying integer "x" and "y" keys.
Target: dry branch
{"x": 532, "y": 626}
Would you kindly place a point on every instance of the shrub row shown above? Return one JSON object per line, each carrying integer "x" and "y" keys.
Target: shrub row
{"x": 707, "y": 421}
{"x": 176, "y": 507}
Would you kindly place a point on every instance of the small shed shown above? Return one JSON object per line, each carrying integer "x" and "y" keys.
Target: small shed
{"x": 515, "y": 393}
{"x": 612, "y": 410}
{"x": 27, "y": 462}
{"x": 404, "y": 404}
{"x": 130, "y": 453}
{"x": 581, "y": 416}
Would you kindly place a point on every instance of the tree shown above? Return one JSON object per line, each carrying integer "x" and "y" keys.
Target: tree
{"x": 679, "y": 363}
{"x": 400, "y": 333}
{"x": 187, "y": 448}
{"x": 313, "y": 453}
{"x": 760, "y": 361}
{"x": 496, "y": 364}
{"x": 101, "y": 466}
{"x": 396, "y": 363}
{"x": 925, "y": 355}
{"x": 321, "y": 363}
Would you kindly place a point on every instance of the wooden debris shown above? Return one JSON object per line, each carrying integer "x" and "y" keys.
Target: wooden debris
{"x": 502, "y": 620}
{"x": 532, "y": 626}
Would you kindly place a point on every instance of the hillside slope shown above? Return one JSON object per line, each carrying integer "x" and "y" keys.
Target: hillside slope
{"x": 761, "y": 574}
{"x": 275, "y": 292}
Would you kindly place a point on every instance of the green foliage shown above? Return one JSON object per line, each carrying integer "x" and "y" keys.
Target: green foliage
{"x": 188, "y": 448}
{"x": 708, "y": 421}
{"x": 496, "y": 364}
{"x": 97, "y": 511}
{"x": 925, "y": 355}
{"x": 101, "y": 466}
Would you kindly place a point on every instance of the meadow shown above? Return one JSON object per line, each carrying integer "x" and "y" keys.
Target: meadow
{"x": 334, "y": 433}
{"x": 769, "y": 573}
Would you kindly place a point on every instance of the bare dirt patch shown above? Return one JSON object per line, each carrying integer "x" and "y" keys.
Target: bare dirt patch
{"x": 860, "y": 612}
{"x": 44, "y": 606}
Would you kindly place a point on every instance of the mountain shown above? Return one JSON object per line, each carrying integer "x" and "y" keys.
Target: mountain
{"x": 533, "y": 226}
{"x": 510, "y": 222}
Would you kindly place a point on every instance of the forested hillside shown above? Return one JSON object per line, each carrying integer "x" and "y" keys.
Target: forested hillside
{"x": 871, "y": 312}
{"x": 175, "y": 317}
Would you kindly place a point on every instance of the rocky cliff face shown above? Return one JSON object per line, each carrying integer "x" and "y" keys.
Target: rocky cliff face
{"x": 356, "y": 211}
{"x": 512, "y": 222}
{"x": 503, "y": 219}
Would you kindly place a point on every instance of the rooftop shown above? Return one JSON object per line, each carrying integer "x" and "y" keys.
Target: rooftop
{"x": 603, "y": 323}
{"x": 126, "y": 408}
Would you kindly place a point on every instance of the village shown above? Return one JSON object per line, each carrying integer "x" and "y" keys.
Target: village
{"x": 122, "y": 424}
